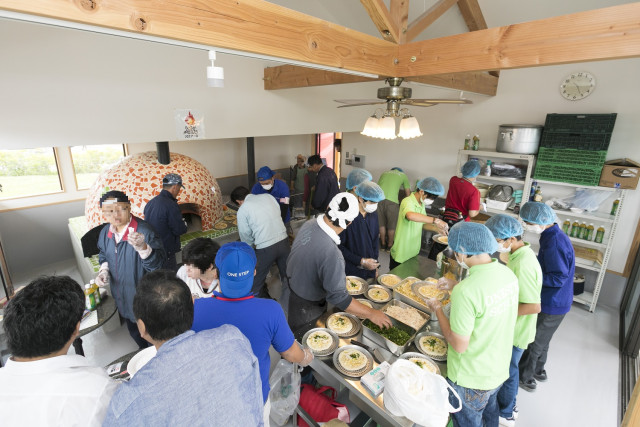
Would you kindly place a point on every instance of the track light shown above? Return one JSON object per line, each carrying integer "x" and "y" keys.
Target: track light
{"x": 215, "y": 75}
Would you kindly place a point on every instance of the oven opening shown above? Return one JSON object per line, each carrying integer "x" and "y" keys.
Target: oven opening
{"x": 191, "y": 214}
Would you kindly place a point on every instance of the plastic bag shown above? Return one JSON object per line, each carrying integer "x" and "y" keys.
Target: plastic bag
{"x": 419, "y": 395}
{"x": 285, "y": 391}
{"x": 506, "y": 170}
{"x": 583, "y": 199}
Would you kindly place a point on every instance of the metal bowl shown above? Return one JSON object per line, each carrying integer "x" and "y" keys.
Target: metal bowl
{"x": 363, "y": 288}
{"x": 441, "y": 296}
{"x": 411, "y": 355}
{"x": 383, "y": 277}
{"x": 384, "y": 289}
{"x": 356, "y": 325}
{"x": 427, "y": 334}
{"x": 359, "y": 372}
{"x": 328, "y": 351}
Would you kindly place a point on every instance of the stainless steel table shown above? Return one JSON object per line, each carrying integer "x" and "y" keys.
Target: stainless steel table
{"x": 420, "y": 267}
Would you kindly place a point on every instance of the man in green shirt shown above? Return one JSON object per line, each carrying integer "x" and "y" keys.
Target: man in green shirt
{"x": 523, "y": 262}
{"x": 484, "y": 307}
{"x": 390, "y": 182}
{"x": 411, "y": 218}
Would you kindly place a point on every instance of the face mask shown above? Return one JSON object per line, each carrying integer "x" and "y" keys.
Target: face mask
{"x": 502, "y": 249}
{"x": 370, "y": 208}
{"x": 427, "y": 202}
{"x": 537, "y": 229}
{"x": 267, "y": 187}
{"x": 461, "y": 263}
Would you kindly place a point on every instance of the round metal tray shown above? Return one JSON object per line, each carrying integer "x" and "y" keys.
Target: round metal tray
{"x": 326, "y": 352}
{"x": 419, "y": 347}
{"x": 359, "y": 372}
{"x": 438, "y": 238}
{"x": 374, "y": 305}
{"x": 382, "y": 276}
{"x": 356, "y": 325}
{"x": 362, "y": 290}
{"x": 415, "y": 288}
{"x": 410, "y": 355}
{"x": 382, "y": 288}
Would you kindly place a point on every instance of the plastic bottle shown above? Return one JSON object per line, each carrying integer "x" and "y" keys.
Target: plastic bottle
{"x": 487, "y": 169}
{"x": 590, "y": 230}
{"x": 574, "y": 228}
{"x": 96, "y": 292}
{"x": 614, "y": 208}
{"x": 599, "y": 234}
{"x": 582, "y": 231}
{"x": 537, "y": 197}
{"x": 566, "y": 226}
{"x": 476, "y": 142}
{"x": 467, "y": 142}
{"x": 532, "y": 193}
{"x": 89, "y": 299}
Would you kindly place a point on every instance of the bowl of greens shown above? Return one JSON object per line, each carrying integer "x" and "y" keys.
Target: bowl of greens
{"x": 395, "y": 339}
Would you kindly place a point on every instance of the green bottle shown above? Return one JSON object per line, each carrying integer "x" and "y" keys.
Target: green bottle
{"x": 582, "y": 232}
{"x": 590, "y": 230}
{"x": 574, "y": 228}
{"x": 599, "y": 234}
{"x": 566, "y": 226}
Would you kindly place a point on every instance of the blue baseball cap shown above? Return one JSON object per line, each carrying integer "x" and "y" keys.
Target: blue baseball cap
{"x": 172, "y": 179}
{"x": 236, "y": 262}
{"x": 265, "y": 173}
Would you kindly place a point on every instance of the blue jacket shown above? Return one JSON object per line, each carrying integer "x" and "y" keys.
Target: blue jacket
{"x": 558, "y": 262}
{"x": 360, "y": 240}
{"x": 126, "y": 268}
{"x": 326, "y": 188}
{"x": 163, "y": 214}
{"x": 280, "y": 191}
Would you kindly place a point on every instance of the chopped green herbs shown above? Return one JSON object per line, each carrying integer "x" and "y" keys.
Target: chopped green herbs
{"x": 393, "y": 334}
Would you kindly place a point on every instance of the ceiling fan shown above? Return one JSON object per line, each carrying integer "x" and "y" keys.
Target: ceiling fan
{"x": 395, "y": 95}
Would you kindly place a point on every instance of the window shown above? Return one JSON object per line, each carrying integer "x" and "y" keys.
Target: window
{"x": 28, "y": 172}
{"x": 90, "y": 160}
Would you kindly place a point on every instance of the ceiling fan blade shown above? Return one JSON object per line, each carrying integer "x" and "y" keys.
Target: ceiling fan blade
{"x": 360, "y": 101}
{"x": 438, "y": 101}
{"x": 418, "y": 102}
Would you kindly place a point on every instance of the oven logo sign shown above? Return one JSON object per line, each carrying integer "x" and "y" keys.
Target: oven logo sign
{"x": 189, "y": 124}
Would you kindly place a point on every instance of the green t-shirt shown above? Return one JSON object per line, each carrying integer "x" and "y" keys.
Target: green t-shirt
{"x": 484, "y": 307}
{"x": 408, "y": 233}
{"x": 526, "y": 267}
{"x": 390, "y": 182}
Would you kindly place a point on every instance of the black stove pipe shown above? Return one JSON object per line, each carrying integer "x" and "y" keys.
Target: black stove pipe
{"x": 162, "y": 147}
{"x": 251, "y": 162}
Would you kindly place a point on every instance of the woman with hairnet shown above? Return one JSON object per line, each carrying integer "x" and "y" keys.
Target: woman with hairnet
{"x": 479, "y": 331}
{"x": 411, "y": 218}
{"x": 359, "y": 242}
{"x": 356, "y": 177}
{"x": 463, "y": 199}
{"x": 558, "y": 263}
{"x": 524, "y": 264}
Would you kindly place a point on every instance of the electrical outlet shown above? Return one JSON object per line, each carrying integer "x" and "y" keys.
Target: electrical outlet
{"x": 347, "y": 155}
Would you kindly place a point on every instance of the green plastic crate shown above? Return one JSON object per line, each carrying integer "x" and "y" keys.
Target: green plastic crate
{"x": 576, "y": 141}
{"x": 580, "y": 123}
{"x": 579, "y": 175}
{"x": 572, "y": 157}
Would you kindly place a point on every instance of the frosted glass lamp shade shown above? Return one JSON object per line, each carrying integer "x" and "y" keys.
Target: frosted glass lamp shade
{"x": 387, "y": 129}
{"x": 409, "y": 128}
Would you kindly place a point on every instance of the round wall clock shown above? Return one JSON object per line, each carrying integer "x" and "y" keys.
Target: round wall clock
{"x": 577, "y": 85}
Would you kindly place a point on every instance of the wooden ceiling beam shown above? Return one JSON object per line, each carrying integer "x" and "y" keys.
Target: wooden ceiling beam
{"x": 601, "y": 34}
{"x": 428, "y": 17}
{"x": 472, "y": 14}
{"x": 477, "y": 82}
{"x": 293, "y": 76}
{"x": 252, "y": 26}
{"x": 399, "y": 10}
{"x": 381, "y": 17}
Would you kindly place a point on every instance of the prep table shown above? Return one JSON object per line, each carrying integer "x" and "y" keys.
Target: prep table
{"x": 420, "y": 267}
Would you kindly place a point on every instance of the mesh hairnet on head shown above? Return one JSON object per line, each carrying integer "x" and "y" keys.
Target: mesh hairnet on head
{"x": 357, "y": 176}
{"x": 471, "y": 238}
{"x": 471, "y": 169}
{"x": 431, "y": 185}
{"x": 370, "y": 191}
{"x": 504, "y": 226}
{"x": 537, "y": 213}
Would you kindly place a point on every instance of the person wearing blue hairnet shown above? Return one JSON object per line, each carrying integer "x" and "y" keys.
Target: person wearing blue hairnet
{"x": 484, "y": 307}
{"x": 356, "y": 177}
{"x": 558, "y": 263}
{"x": 391, "y": 181}
{"x": 359, "y": 242}
{"x": 463, "y": 199}
{"x": 411, "y": 218}
{"x": 524, "y": 264}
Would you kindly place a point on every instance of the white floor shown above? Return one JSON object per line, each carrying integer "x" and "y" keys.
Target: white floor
{"x": 583, "y": 365}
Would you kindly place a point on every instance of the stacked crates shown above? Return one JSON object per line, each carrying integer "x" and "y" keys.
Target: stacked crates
{"x": 573, "y": 147}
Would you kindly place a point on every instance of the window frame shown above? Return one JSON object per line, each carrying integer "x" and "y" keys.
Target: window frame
{"x": 56, "y": 159}
{"x": 125, "y": 151}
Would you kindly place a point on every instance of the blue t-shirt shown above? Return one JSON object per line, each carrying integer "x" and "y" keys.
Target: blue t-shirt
{"x": 280, "y": 191}
{"x": 261, "y": 320}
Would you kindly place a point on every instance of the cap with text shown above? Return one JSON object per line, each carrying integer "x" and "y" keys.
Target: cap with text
{"x": 236, "y": 262}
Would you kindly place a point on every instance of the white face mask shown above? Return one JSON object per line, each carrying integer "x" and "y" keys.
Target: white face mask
{"x": 534, "y": 228}
{"x": 370, "y": 208}
{"x": 267, "y": 187}
{"x": 461, "y": 263}
{"x": 502, "y": 249}
{"x": 427, "y": 202}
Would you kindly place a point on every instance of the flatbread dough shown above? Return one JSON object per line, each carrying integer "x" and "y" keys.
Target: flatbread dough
{"x": 433, "y": 346}
{"x": 319, "y": 341}
{"x": 340, "y": 324}
{"x": 220, "y": 226}
{"x": 353, "y": 286}
{"x": 352, "y": 360}
{"x": 390, "y": 280}
{"x": 423, "y": 363}
{"x": 378, "y": 294}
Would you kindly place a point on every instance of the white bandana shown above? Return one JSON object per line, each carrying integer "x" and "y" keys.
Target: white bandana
{"x": 324, "y": 227}
{"x": 344, "y": 215}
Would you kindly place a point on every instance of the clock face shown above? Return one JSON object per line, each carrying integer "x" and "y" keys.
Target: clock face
{"x": 577, "y": 86}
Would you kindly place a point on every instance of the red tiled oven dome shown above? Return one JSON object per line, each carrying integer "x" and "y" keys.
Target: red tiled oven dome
{"x": 140, "y": 175}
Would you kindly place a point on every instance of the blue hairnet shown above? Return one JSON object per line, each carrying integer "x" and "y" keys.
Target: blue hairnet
{"x": 370, "y": 191}
{"x": 357, "y": 176}
{"x": 537, "y": 213}
{"x": 471, "y": 169}
{"x": 471, "y": 238}
{"x": 504, "y": 226}
{"x": 430, "y": 185}
{"x": 397, "y": 169}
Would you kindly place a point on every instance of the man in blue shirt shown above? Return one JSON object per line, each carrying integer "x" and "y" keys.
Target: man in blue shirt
{"x": 163, "y": 213}
{"x": 558, "y": 263}
{"x": 205, "y": 378}
{"x": 262, "y": 321}
{"x": 277, "y": 188}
